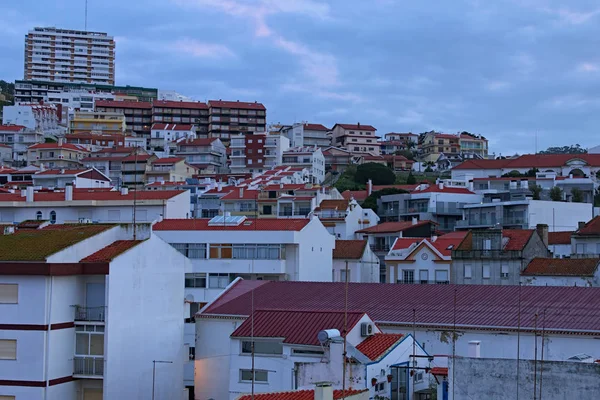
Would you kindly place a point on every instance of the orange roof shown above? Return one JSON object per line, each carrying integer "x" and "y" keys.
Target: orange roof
{"x": 180, "y": 104}
{"x": 201, "y": 224}
{"x": 391, "y": 227}
{"x": 405, "y": 243}
{"x": 168, "y": 160}
{"x": 68, "y": 146}
{"x": 340, "y": 205}
{"x": 236, "y": 104}
{"x": 123, "y": 104}
{"x": 302, "y": 395}
{"x": 358, "y": 127}
{"x": 315, "y": 127}
{"x": 111, "y": 251}
{"x": 446, "y": 243}
{"x": 378, "y": 345}
{"x": 11, "y": 128}
{"x": 349, "y": 249}
{"x": 95, "y": 195}
{"x": 562, "y": 267}
{"x": 517, "y": 240}
{"x": 559, "y": 237}
{"x": 592, "y": 227}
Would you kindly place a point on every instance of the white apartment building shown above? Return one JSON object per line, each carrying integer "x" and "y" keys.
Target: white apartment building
{"x": 87, "y": 319}
{"x": 19, "y": 138}
{"x": 6, "y": 155}
{"x": 358, "y": 139}
{"x": 224, "y": 248}
{"x": 75, "y": 100}
{"x": 343, "y": 218}
{"x": 64, "y": 55}
{"x": 208, "y": 155}
{"x": 303, "y": 134}
{"x": 38, "y": 117}
{"x": 100, "y": 206}
{"x": 256, "y": 153}
{"x": 163, "y": 134}
{"x": 311, "y": 158}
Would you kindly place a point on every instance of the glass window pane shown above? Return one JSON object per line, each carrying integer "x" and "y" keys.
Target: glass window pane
{"x": 82, "y": 342}
{"x": 96, "y": 345}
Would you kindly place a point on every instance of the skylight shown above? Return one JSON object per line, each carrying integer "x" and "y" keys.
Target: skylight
{"x": 227, "y": 220}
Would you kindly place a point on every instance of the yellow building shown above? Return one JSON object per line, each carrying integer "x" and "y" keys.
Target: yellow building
{"x": 99, "y": 121}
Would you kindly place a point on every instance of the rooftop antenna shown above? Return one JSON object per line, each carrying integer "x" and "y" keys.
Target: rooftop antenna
{"x": 86, "y": 10}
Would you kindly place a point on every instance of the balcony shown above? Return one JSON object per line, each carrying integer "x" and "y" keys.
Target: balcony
{"x": 90, "y": 314}
{"x": 300, "y": 212}
{"x": 486, "y": 254}
{"x": 422, "y": 282}
{"x": 88, "y": 366}
{"x": 475, "y": 222}
{"x": 380, "y": 247}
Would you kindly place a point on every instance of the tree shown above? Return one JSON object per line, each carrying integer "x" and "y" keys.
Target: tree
{"x": 532, "y": 172}
{"x": 347, "y": 181}
{"x": 577, "y": 195}
{"x": 536, "y": 191}
{"x": 556, "y": 194}
{"x": 576, "y": 149}
{"x": 378, "y": 174}
{"x": 411, "y": 179}
{"x": 406, "y": 153}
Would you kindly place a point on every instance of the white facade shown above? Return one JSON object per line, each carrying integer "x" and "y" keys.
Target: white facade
{"x": 75, "y": 100}
{"x": 60, "y": 179}
{"x": 118, "y": 364}
{"x": 343, "y": 224}
{"x": 419, "y": 263}
{"x": 42, "y": 118}
{"x": 564, "y": 280}
{"x": 303, "y": 134}
{"x": 19, "y": 139}
{"x": 363, "y": 270}
{"x": 306, "y": 157}
{"x": 163, "y": 134}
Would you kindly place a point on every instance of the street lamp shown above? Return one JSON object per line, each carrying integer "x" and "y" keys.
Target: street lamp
{"x": 154, "y": 372}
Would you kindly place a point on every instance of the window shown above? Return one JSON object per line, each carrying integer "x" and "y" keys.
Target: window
{"x": 38, "y": 215}
{"x": 485, "y": 271}
{"x": 52, "y": 217}
{"x": 424, "y": 276}
{"x": 306, "y": 352}
{"x": 89, "y": 340}
{"x": 467, "y": 271}
{"x": 9, "y": 293}
{"x": 408, "y": 276}
{"x": 441, "y": 276}
{"x": 343, "y": 275}
{"x": 218, "y": 281}
{"x": 191, "y": 250}
{"x": 259, "y": 375}
{"x": 262, "y": 347}
{"x": 195, "y": 280}
{"x": 504, "y": 271}
{"x": 8, "y": 349}
{"x": 380, "y": 387}
{"x": 487, "y": 244}
{"x": 580, "y": 248}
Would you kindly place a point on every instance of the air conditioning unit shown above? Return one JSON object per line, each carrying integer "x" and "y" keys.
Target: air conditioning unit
{"x": 366, "y": 329}
{"x": 61, "y": 157}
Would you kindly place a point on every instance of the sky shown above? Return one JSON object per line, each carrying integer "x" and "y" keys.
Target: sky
{"x": 523, "y": 73}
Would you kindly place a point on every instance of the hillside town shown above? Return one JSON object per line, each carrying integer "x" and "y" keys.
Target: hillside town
{"x": 157, "y": 247}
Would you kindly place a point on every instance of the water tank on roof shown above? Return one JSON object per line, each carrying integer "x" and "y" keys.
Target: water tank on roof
{"x": 328, "y": 334}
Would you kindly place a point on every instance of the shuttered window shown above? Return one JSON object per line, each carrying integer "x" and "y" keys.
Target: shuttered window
{"x": 7, "y": 397}
{"x": 9, "y": 293}
{"x": 8, "y": 349}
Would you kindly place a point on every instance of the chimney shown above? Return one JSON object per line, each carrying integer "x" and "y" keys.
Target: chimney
{"x": 219, "y": 186}
{"x": 414, "y": 220}
{"x": 369, "y": 187}
{"x": 323, "y": 391}
{"x": 23, "y": 192}
{"x": 29, "y": 194}
{"x": 69, "y": 192}
{"x": 124, "y": 191}
{"x": 62, "y": 171}
{"x": 242, "y": 192}
{"x": 580, "y": 225}
{"x": 441, "y": 185}
{"x": 542, "y": 230}
{"x": 281, "y": 185}
{"x": 42, "y": 168}
{"x": 60, "y": 141}
{"x": 475, "y": 349}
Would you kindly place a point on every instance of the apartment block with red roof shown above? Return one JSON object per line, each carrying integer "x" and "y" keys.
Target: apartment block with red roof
{"x": 57, "y": 155}
{"x": 182, "y": 112}
{"x": 138, "y": 114}
{"x": 434, "y": 144}
{"x": 75, "y": 304}
{"x": 19, "y": 138}
{"x": 170, "y": 169}
{"x": 582, "y": 272}
{"x": 304, "y": 134}
{"x": 356, "y": 138}
{"x": 310, "y": 343}
{"x": 229, "y": 118}
{"x": 497, "y": 256}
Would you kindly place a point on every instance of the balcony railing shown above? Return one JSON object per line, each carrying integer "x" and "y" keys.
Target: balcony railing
{"x": 474, "y": 222}
{"x": 422, "y": 282}
{"x": 88, "y": 365}
{"x": 493, "y": 254}
{"x": 96, "y": 314}
{"x": 378, "y": 247}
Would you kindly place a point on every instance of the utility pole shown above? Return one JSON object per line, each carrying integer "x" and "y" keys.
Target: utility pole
{"x": 454, "y": 347}
{"x": 252, "y": 341}
{"x": 535, "y": 358}
{"x": 542, "y": 358}
{"x": 344, "y": 354}
{"x": 414, "y": 358}
{"x": 154, "y": 372}
{"x": 518, "y": 339}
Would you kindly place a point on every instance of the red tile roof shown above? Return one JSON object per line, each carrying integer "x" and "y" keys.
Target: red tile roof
{"x": 445, "y": 136}
{"x": 302, "y": 395}
{"x": 436, "y": 189}
{"x": 349, "y": 249}
{"x": 95, "y": 195}
{"x": 168, "y": 160}
{"x": 197, "y": 142}
{"x": 562, "y": 267}
{"x": 483, "y": 164}
{"x": 517, "y": 239}
{"x": 62, "y": 172}
{"x": 124, "y": 104}
{"x": 246, "y": 194}
{"x": 443, "y": 371}
{"x": 569, "y": 308}
{"x": 295, "y": 326}
{"x": 592, "y": 227}
{"x": 11, "y": 128}
{"x": 236, "y": 104}
{"x": 446, "y": 243}
{"x": 195, "y": 105}
{"x": 405, "y": 242}
{"x": 315, "y": 127}
{"x": 378, "y": 345}
{"x": 201, "y": 224}
{"x": 111, "y": 251}
{"x": 360, "y": 127}
{"x": 340, "y": 205}
{"x": 137, "y": 158}
{"x": 171, "y": 127}
{"x": 68, "y": 146}
{"x": 555, "y": 238}
{"x": 392, "y": 227}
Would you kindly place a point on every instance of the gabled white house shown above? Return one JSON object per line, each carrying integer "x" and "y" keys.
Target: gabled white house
{"x": 85, "y": 178}
{"x": 355, "y": 258}
{"x": 582, "y": 272}
{"x": 343, "y": 218}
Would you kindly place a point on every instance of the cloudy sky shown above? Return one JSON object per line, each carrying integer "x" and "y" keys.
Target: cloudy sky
{"x": 507, "y": 69}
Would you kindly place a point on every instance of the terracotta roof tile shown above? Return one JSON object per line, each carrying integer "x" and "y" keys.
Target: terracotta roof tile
{"x": 559, "y": 237}
{"x": 349, "y": 249}
{"x": 124, "y": 104}
{"x": 104, "y": 195}
{"x": 11, "y": 128}
{"x": 201, "y": 224}
{"x": 189, "y": 105}
{"x": 360, "y": 127}
{"x": 517, "y": 239}
{"x": 339, "y": 205}
{"x": 236, "y": 104}
{"x": 378, "y": 345}
{"x": 168, "y": 160}
{"x": 111, "y": 251}
{"x": 391, "y": 227}
{"x": 315, "y": 127}
{"x": 592, "y": 227}
{"x": 446, "y": 243}
{"x": 302, "y": 395}
{"x": 295, "y": 326}
{"x": 562, "y": 267}
{"x": 405, "y": 243}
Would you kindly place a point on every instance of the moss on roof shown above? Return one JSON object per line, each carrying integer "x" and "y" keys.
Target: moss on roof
{"x": 38, "y": 245}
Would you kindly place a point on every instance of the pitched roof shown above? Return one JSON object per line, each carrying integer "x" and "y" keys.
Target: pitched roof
{"x": 11, "y": 128}
{"x": 357, "y": 127}
{"x": 295, "y": 326}
{"x": 302, "y": 395}
{"x": 104, "y": 195}
{"x": 349, "y": 249}
{"x": 196, "y": 105}
{"x": 171, "y": 127}
{"x": 391, "y": 227}
{"x": 446, "y": 243}
{"x": 485, "y": 306}
{"x": 559, "y": 237}
{"x": 201, "y": 224}
{"x": 111, "y": 251}
{"x": 340, "y": 205}
{"x": 236, "y": 104}
{"x": 62, "y": 172}
{"x": 123, "y": 104}
{"x": 168, "y": 160}
{"x": 516, "y": 240}
{"x": 592, "y": 227}
{"x": 245, "y": 194}
{"x": 197, "y": 142}
{"x": 445, "y": 189}
{"x": 137, "y": 158}
{"x": 530, "y": 161}
{"x": 68, "y": 146}
{"x": 38, "y": 245}
{"x": 315, "y": 127}
{"x": 405, "y": 242}
{"x": 483, "y": 164}
{"x": 562, "y": 267}
{"x": 378, "y": 345}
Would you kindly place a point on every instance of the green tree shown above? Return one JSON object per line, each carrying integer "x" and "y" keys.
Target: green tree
{"x": 532, "y": 172}
{"x": 577, "y": 195}
{"x": 573, "y": 149}
{"x": 379, "y": 174}
{"x": 411, "y": 179}
{"x": 536, "y": 191}
{"x": 347, "y": 181}
{"x": 406, "y": 153}
{"x": 556, "y": 194}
